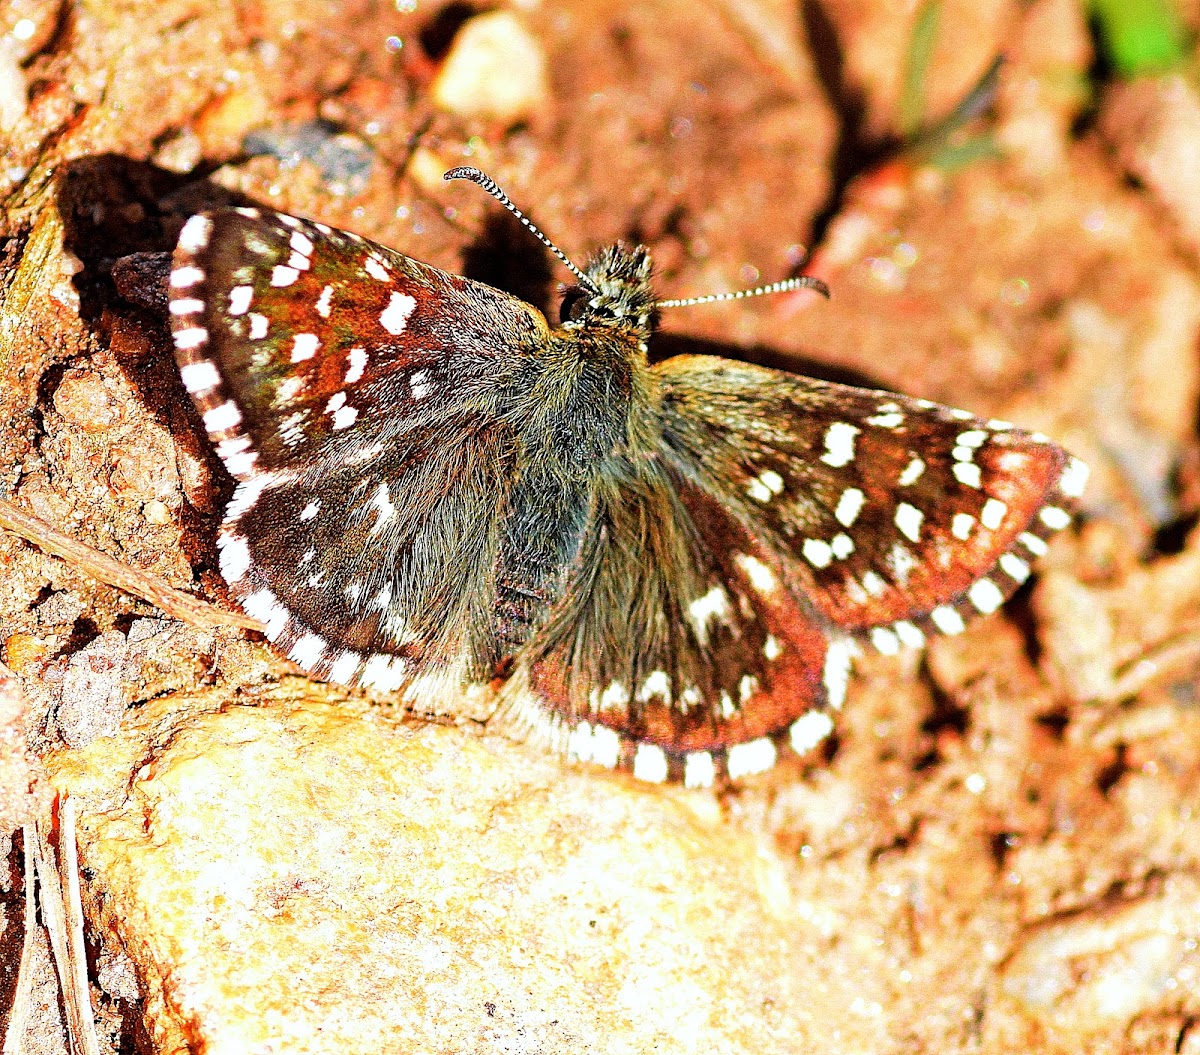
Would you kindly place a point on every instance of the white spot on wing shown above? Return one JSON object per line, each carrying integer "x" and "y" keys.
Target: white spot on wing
{"x": 885, "y": 640}
{"x": 222, "y": 417}
{"x": 185, "y": 306}
{"x": 308, "y": 650}
{"x": 311, "y": 510}
{"x": 656, "y": 684}
{"x": 394, "y": 317}
{"x": 947, "y": 620}
{"x": 754, "y": 756}
{"x": 199, "y": 377}
{"x": 188, "y": 275}
{"x": 385, "y": 673}
{"x": 1074, "y": 478}
{"x": 234, "y": 557}
{"x": 836, "y": 674}
{"x": 713, "y": 605}
{"x": 912, "y": 473}
{"x": 240, "y": 298}
{"x": 759, "y": 491}
{"x": 344, "y": 667}
{"x": 761, "y": 577}
{"x": 282, "y": 275}
{"x": 304, "y": 346}
{"x": 967, "y": 474}
{"x": 809, "y": 730}
{"x": 344, "y": 417}
{"x": 849, "y": 506}
{"x": 195, "y": 233}
{"x": 873, "y": 584}
{"x": 1015, "y": 568}
{"x": 842, "y": 545}
{"x": 908, "y": 520}
{"x": 356, "y": 359}
{"x": 323, "y": 302}
{"x": 908, "y": 634}
{"x": 258, "y": 326}
{"x": 375, "y": 269}
{"x": 595, "y": 743}
{"x": 817, "y": 552}
{"x": 650, "y": 763}
{"x": 901, "y": 561}
{"x": 765, "y": 486}
{"x": 382, "y": 501}
{"x": 301, "y": 243}
{"x": 992, "y": 514}
{"x": 960, "y": 526}
{"x": 615, "y": 695}
{"x": 699, "y": 770}
{"x": 247, "y": 493}
{"x": 1054, "y": 518}
{"x": 264, "y": 606}
{"x": 419, "y": 384}
{"x": 985, "y": 595}
{"x": 839, "y": 444}
{"x": 192, "y": 337}
{"x": 1035, "y": 545}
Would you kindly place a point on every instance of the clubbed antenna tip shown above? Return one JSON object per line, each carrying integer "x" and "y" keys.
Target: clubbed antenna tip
{"x": 469, "y": 172}
{"x": 488, "y": 184}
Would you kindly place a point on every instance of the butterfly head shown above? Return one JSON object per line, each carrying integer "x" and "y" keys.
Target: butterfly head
{"x": 615, "y": 291}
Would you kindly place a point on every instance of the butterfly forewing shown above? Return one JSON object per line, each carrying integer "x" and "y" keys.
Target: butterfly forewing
{"x": 890, "y": 515}
{"x": 297, "y": 340}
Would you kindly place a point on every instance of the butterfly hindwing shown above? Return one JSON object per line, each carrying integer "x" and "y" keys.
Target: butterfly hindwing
{"x": 675, "y": 643}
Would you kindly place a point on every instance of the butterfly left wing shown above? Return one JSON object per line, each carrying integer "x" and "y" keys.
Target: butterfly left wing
{"x": 359, "y": 398}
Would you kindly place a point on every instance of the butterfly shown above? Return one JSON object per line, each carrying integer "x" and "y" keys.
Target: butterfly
{"x": 665, "y": 567}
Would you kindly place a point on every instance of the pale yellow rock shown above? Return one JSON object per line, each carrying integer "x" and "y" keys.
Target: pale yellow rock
{"x": 495, "y": 70}
{"x": 300, "y": 877}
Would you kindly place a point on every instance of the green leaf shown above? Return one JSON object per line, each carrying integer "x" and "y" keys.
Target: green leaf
{"x": 920, "y": 54}
{"x": 1140, "y": 36}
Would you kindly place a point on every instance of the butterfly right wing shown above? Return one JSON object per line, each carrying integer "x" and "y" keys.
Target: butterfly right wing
{"x": 674, "y": 650}
{"x": 892, "y": 517}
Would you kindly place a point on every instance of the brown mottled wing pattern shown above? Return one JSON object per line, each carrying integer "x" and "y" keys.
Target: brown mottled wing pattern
{"x": 894, "y": 517}
{"x": 358, "y": 397}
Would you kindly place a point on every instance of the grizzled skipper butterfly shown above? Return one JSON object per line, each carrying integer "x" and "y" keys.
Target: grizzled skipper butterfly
{"x": 663, "y": 567}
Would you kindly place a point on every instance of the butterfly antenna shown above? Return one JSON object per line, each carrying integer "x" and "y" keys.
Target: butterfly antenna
{"x": 489, "y": 185}
{"x": 786, "y": 286}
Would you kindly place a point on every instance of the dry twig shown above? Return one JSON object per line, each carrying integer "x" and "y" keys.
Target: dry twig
{"x": 176, "y": 603}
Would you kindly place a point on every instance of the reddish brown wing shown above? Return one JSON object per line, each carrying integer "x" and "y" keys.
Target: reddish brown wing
{"x": 676, "y": 649}
{"x": 291, "y": 337}
{"x": 358, "y": 397}
{"x": 890, "y": 516}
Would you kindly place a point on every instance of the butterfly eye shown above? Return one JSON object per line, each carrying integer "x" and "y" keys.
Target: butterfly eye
{"x": 574, "y": 305}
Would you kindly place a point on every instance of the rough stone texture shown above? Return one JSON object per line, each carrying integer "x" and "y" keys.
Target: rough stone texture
{"x": 298, "y": 877}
